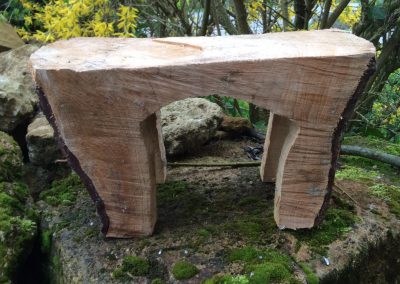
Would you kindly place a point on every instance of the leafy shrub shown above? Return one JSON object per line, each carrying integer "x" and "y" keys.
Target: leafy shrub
{"x": 63, "y": 19}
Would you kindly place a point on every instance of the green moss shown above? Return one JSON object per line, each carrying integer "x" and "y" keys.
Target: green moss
{"x": 356, "y": 173}
{"x": 262, "y": 266}
{"x": 247, "y": 254}
{"x": 63, "y": 192}
{"x": 120, "y": 274}
{"x": 184, "y": 270}
{"x": 132, "y": 265}
{"x": 227, "y": 279}
{"x": 10, "y": 158}
{"x": 337, "y": 222}
{"x": 46, "y": 239}
{"x": 269, "y": 272}
{"x": 204, "y": 233}
{"x": 251, "y": 227}
{"x": 367, "y": 170}
{"x": 135, "y": 265}
{"x": 171, "y": 191}
{"x": 17, "y": 229}
{"x": 310, "y": 276}
{"x": 157, "y": 281}
{"x": 390, "y": 194}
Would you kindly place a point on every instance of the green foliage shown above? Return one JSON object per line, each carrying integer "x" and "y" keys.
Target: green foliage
{"x": 384, "y": 117}
{"x": 231, "y": 106}
{"x": 17, "y": 229}
{"x": 184, "y": 270}
{"x": 59, "y": 19}
{"x": 134, "y": 265}
{"x": 14, "y": 12}
{"x": 63, "y": 192}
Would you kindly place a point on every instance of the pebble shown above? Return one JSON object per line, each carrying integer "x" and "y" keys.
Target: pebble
{"x": 326, "y": 261}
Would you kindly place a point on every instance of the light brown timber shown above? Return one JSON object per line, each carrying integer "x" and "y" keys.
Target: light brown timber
{"x": 103, "y": 95}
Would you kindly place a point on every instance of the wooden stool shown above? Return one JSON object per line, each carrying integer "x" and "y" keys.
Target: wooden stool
{"x": 103, "y": 96}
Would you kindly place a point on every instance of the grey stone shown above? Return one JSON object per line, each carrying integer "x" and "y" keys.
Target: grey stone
{"x": 17, "y": 98}
{"x": 188, "y": 124}
{"x": 42, "y": 147}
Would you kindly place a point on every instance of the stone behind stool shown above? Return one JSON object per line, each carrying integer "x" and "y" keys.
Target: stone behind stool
{"x": 42, "y": 147}
{"x": 188, "y": 124}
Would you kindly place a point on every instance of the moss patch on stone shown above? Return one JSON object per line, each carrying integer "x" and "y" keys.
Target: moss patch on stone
{"x": 10, "y": 158}
{"x": 18, "y": 229}
{"x": 260, "y": 266}
{"x": 63, "y": 192}
{"x": 227, "y": 279}
{"x": 184, "y": 270}
{"x": 132, "y": 266}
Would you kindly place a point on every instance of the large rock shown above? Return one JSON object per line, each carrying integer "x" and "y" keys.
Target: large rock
{"x": 42, "y": 147}
{"x": 10, "y": 158}
{"x": 188, "y": 124}
{"x": 17, "y": 98}
{"x": 8, "y": 37}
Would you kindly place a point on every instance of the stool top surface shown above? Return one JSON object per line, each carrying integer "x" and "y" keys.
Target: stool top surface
{"x": 89, "y": 54}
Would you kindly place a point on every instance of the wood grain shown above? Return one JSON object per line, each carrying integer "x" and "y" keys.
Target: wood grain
{"x": 104, "y": 95}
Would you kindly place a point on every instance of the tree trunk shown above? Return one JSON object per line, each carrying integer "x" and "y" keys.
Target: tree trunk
{"x": 336, "y": 13}
{"x": 300, "y": 11}
{"x": 241, "y": 17}
{"x": 371, "y": 154}
{"x": 325, "y": 14}
{"x": 285, "y": 13}
{"x": 206, "y": 16}
{"x": 222, "y": 18}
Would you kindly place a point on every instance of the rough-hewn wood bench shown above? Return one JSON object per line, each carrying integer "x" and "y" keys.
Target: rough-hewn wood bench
{"x": 102, "y": 96}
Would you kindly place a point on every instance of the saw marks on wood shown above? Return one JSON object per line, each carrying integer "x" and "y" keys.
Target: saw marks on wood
{"x": 104, "y": 95}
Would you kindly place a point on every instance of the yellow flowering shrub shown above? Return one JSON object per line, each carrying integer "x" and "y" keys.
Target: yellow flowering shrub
{"x": 254, "y": 8}
{"x": 63, "y": 19}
